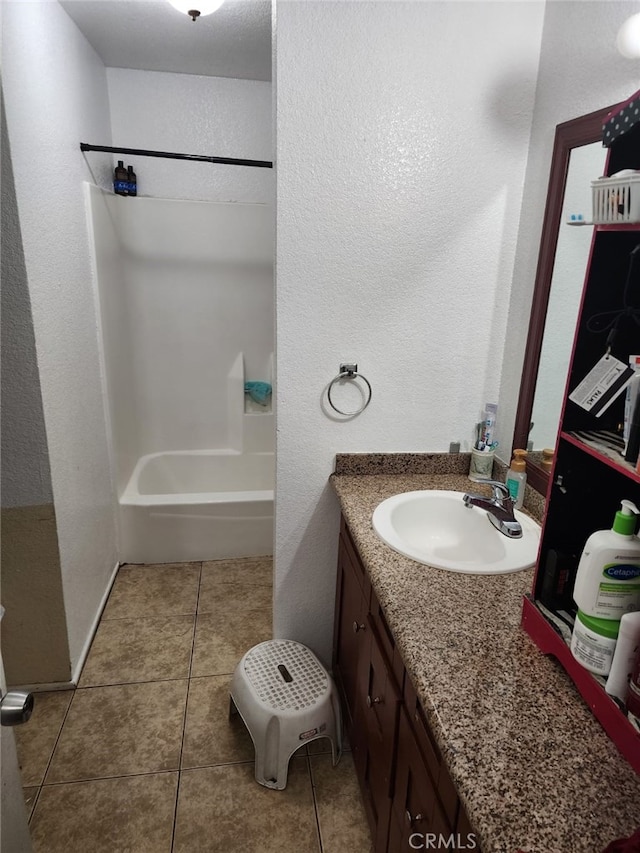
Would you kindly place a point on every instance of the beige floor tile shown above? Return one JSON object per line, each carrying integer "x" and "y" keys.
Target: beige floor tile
{"x": 145, "y": 649}
{"x": 224, "y": 810}
{"x": 210, "y": 736}
{"x": 216, "y": 597}
{"x": 36, "y": 740}
{"x": 221, "y": 640}
{"x": 120, "y": 730}
{"x": 30, "y": 796}
{"x": 244, "y": 570}
{"x": 132, "y": 814}
{"x": 341, "y": 815}
{"x": 167, "y": 589}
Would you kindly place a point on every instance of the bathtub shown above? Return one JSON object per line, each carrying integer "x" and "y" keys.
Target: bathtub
{"x": 197, "y": 505}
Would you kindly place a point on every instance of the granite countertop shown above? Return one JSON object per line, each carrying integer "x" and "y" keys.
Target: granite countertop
{"x": 533, "y": 767}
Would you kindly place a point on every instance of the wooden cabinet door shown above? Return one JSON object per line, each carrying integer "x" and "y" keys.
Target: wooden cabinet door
{"x": 350, "y": 628}
{"x": 374, "y": 736}
{"x": 416, "y": 807}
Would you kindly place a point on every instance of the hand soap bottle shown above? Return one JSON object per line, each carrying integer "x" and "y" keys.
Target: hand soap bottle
{"x": 608, "y": 580}
{"x": 517, "y": 477}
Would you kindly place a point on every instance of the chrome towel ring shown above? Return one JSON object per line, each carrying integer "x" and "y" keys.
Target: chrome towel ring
{"x": 349, "y": 371}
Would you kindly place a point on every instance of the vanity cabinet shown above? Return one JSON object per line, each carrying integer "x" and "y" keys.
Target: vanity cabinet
{"x": 406, "y": 787}
{"x": 590, "y": 476}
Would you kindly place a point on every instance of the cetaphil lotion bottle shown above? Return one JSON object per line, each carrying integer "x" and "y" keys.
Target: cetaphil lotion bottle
{"x": 608, "y": 580}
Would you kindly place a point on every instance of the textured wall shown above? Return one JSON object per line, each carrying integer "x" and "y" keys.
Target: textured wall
{"x": 34, "y": 632}
{"x": 56, "y": 96}
{"x": 26, "y": 479}
{"x": 183, "y": 113}
{"x": 401, "y": 145}
{"x": 580, "y": 71}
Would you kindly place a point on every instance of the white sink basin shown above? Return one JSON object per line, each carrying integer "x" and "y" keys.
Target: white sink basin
{"x": 436, "y": 528}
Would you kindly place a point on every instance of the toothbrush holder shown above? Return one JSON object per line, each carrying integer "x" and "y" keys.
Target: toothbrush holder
{"x": 481, "y": 467}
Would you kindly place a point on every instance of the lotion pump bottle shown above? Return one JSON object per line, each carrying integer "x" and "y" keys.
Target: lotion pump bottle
{"x": 517, "y": 477}
{"x": 608, "y": 580}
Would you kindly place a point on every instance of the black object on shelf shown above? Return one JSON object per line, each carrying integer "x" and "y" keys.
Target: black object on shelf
{"x": 120, "y": 179}
{"x": 132, "y": 181}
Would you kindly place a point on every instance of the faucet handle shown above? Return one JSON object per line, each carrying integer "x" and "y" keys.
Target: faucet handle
{"x": 500, "y": 490}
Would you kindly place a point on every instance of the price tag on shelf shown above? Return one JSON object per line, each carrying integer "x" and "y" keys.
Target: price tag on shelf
{"x": 602, "y": 385}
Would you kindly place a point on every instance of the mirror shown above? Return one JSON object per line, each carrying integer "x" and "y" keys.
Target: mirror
{"x": 578, "y": 158}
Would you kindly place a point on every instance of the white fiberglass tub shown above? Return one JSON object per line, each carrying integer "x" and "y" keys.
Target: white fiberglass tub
{"x": 197, "y": 505}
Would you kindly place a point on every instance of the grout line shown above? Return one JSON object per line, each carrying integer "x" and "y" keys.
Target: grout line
{"x": 315, "y": 805}
{"x": 220, "y": 764}
{"x": 109, "y": 778}
{"x": 35, "y": 800}
{"x": 55, "y": 745}
{"x": 140, "y": 773}
{"x": 137, "y": 617}
{"x": 130, "y": 683}
{"x": 186, "y": 707}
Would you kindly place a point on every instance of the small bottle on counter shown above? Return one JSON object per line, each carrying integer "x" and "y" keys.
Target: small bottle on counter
{"x": 517, "y": 477}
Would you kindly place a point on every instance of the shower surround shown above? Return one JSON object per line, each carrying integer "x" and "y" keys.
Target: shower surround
{"x": 184, "y": 293}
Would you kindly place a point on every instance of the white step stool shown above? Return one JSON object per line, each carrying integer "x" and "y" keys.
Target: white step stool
{"x": 286, "y": 699}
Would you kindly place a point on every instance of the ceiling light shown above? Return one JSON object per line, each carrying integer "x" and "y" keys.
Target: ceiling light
{"x": 628, "y": 38}
{"x": 196, "y": 8}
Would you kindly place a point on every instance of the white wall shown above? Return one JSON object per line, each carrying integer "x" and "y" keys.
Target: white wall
{"x": 187, "y": 114}
{"x": 184, "y": 287}
{"x": 580, "y": 71}
{"x": 56, "y": 96}
{"x": 402, "y": 132}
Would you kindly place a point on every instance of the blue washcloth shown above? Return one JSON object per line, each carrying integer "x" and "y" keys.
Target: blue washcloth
{"x": 258, "y": 391}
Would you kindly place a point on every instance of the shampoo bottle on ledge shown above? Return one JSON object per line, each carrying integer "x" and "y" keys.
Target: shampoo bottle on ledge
{"x": 517, "y": 477}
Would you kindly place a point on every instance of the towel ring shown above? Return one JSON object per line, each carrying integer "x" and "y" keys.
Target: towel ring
{"x": 349, "y": 371}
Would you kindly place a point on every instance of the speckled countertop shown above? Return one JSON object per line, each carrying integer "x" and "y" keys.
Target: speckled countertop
{"x": 532, "y": 765}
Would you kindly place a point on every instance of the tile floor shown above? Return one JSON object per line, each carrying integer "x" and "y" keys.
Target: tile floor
{"x": 142, "y": 756}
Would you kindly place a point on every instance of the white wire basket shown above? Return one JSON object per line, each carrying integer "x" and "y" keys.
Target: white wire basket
{"x": 616, "y": 200}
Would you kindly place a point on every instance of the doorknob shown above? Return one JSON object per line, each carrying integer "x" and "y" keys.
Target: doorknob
{"x": 16, "y": 707}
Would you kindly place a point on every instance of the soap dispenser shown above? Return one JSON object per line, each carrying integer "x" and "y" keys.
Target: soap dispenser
{"x": 608, "y": 579}
{"x": 517, "y": 477}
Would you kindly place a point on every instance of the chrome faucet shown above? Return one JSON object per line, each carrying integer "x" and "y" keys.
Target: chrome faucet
{"x": 499, "y": 508}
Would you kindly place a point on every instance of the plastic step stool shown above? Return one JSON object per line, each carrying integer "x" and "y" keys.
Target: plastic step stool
{"x": 286, "y": 699}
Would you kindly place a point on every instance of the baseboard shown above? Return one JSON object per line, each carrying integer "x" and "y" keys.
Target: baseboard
{"x": 51, "y": 687}
{"x": 75, "y": 675}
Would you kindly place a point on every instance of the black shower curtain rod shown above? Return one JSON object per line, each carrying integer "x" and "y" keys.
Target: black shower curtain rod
{"x": 142, "y": 152}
